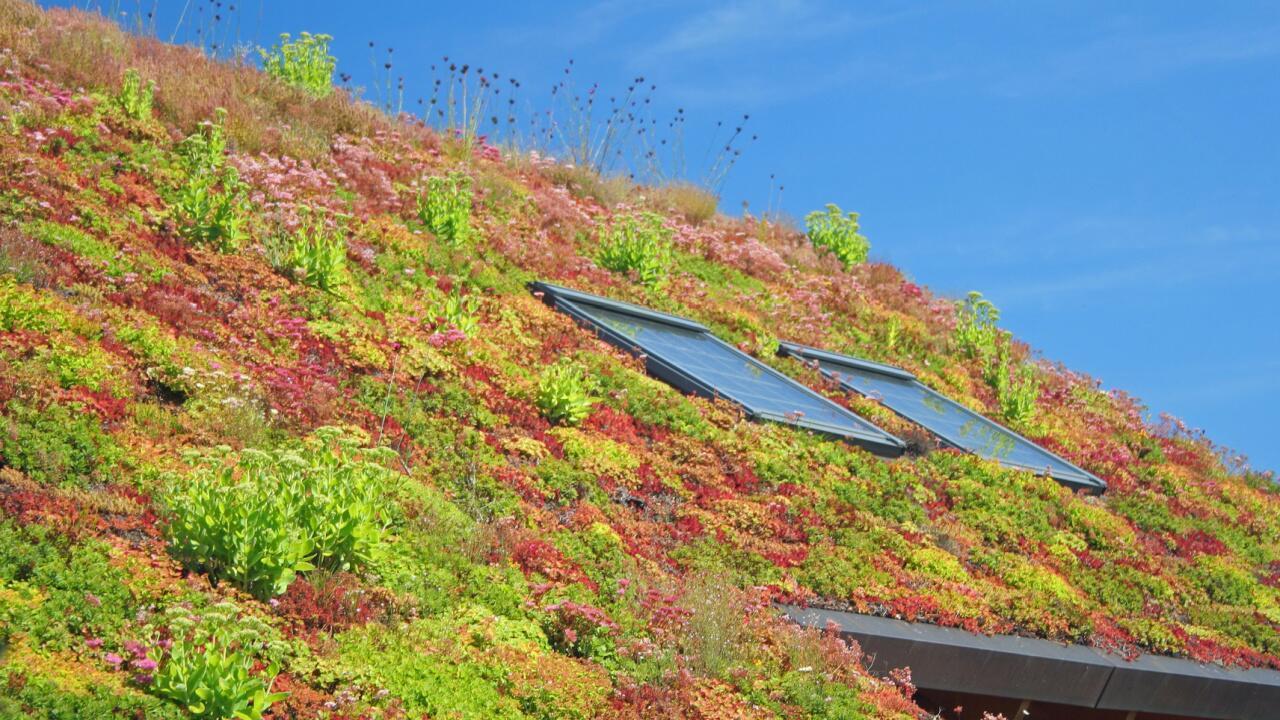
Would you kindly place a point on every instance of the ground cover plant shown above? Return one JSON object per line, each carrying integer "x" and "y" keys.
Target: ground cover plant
{"x": 283, "y": 433}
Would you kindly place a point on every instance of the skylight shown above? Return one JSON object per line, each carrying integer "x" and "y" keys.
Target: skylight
{"x": 685, "y": 354}
{"x": 953, "y": 423}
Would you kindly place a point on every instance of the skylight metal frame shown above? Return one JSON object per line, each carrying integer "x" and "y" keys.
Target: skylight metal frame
{"x": 1081, "y": 479}
{"x": 668, "y": 370}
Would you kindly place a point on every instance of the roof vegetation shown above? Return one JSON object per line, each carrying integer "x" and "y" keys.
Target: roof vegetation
{"x": 283, "y": 433}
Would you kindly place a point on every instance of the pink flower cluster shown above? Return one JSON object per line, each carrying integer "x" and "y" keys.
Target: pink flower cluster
{"x": 574, "y": 620}
{"x": 373, "y": 167}
{"x": 666, "y": 615}
{"x": 361, "y": 169}
{"x": 283, "y": 184}
{"x": 138, "y": 661}
{"x": 804, "y": 315}
{"x": 737, "y": 250}
{"x": 485, "y": 151}
{"x": 446, "y": 337}
{"x": 901, "y": 679}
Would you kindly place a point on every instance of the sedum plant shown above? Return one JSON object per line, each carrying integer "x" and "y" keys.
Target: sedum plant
{"x": 637, "y": 243}
{"x": 455, "y": 309}
{"x": 976, "y": 331}
{"x": 1017, "y": 386}
{"x": 214, "y": 682}
{"x": 211, "y": 206}
{"x": 260, "y": 518}
{"x": 55, "y": 445}
{"x": 834, "y": 230}
{"x": 445, "y": 208}
{"x": 564, "y": 394}
{"x": 23, "y": 308}
{"x": 314, "y": 254}
{"x": 304, "y": 63}
{"x": 135, "y": 98}
{"x": 207, "y": 665}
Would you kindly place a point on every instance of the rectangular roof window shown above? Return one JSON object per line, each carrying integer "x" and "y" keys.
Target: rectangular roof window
{"x": 685, "y": 354}
{"x": 952, "y": 422}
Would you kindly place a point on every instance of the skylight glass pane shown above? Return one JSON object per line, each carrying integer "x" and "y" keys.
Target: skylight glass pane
{"x": 694, "y": 360}
{"x": 950, "y": 421}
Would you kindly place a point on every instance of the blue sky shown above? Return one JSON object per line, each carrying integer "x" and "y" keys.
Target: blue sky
{"x": 1107, "y": 173}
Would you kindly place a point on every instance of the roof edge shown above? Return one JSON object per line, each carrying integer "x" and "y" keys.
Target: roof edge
{"x": 1036, "y": 669}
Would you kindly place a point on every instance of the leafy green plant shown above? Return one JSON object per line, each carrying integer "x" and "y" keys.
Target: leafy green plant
{"x": 444, "y": 207}
{"x": 135, "y": 98}
{"x": 210, "y": 207}
{"x": 834, "y": 230}
{"x": 315, "y": 254}
{"x": 205, "y": 151}
{"x": 238, "y": 531}
{"x": 637, "y": 243}
{"x": 976, "y": 331}
{"x": 1017, "y": 387}
{"x": 978, "y": 336}
{"x": 262, "y": 517}
{"x": 207, "y": 667}
{"x": 303, "y": 63}
{"x": 212, "y": 682}
{"x": 456, "y": 309}
{"x": 564, "y": 394}
{"x": 208, "y": 214}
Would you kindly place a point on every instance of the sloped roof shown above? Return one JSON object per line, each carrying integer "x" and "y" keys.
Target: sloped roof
{"x": 521, "y": 544}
